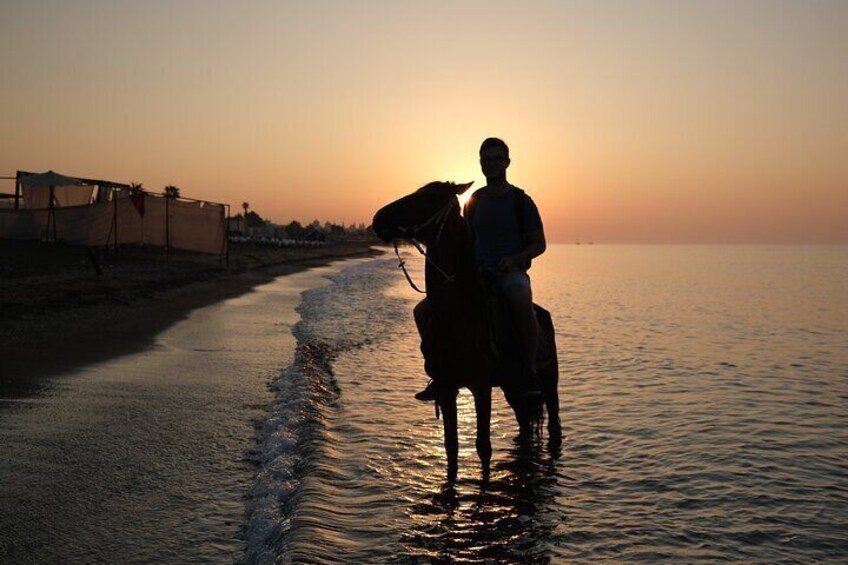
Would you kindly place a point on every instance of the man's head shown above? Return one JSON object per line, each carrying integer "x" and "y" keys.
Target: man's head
{"x": 494, "y": 158}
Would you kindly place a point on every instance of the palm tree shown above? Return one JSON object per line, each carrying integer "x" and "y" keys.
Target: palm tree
{"x": 172, "y": 191}
{"x": 136, "y": 188}
{"x": 245, "y": 206}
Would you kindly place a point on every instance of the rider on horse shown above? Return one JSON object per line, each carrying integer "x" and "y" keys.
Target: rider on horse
{"x": 508, "y": 234}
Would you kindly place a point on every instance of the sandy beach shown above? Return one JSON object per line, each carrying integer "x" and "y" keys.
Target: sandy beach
{"x": 151, "y": 456}
{"x": 57, "y": 313}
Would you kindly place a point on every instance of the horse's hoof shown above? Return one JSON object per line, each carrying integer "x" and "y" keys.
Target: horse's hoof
{"x": 554, "y": 436}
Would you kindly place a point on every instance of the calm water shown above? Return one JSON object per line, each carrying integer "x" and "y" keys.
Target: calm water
{"x": 704, "y": 396}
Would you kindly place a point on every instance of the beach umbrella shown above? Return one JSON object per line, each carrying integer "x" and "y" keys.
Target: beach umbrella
{"x": 49, "y": 178}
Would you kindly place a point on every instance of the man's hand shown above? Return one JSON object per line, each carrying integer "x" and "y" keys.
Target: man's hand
{"x": 507, "y": 263}
{"x": 535, "y": 246}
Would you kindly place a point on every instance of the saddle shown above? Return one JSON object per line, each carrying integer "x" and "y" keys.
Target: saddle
{"x": 497, "y": 343}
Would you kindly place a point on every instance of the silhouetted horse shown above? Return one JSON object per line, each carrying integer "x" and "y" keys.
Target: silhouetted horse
{"x": 464, "y": 348}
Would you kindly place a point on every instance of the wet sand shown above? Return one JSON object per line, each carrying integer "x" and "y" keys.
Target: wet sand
{"x": 57, "y": 313}
{"x": 150, "y": 457}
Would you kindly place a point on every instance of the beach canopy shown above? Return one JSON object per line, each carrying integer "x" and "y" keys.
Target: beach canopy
{"x": 49, "y": 179}
{"x": 67, "y": 191}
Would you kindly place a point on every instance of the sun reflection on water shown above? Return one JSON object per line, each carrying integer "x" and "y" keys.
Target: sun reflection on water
{"x": 666, "y": 444}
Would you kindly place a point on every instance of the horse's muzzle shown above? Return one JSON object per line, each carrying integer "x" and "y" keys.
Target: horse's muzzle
{"x": 383, "y": 227}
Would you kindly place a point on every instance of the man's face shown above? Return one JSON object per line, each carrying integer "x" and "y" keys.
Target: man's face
{"x": 493, "y": 162}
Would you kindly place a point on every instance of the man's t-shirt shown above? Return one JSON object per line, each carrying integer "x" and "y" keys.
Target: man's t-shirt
{"x": 496, "y": 229}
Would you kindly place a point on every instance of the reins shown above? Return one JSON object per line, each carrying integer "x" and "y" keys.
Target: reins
{"x": 402, "y": 266}
{"x": 439, "y": 217}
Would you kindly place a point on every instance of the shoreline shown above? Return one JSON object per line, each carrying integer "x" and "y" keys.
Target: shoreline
{"x": 102, "y": 318}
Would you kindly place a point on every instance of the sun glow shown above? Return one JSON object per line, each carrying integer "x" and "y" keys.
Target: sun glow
{"x": 464, "y": 174}
{"x": 466, "y": 196}
{"x": 617, "y": 133}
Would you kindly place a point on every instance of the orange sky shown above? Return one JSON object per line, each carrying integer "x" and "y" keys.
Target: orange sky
{"x": 628, "y": 122}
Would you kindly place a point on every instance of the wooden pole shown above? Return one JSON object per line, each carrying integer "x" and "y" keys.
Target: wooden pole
{"x": 50, "y": 217}
{"x": 167, "y": 226}
{"x": 115, "y": 216}
{"x": 227, "y": 237}
{"x": 53, "y": 208}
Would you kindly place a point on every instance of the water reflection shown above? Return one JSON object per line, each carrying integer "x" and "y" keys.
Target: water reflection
{"x": 677, "y": 425}
{"x": 509, "y": 519}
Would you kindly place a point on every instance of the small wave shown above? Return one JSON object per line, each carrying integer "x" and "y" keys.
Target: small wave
{"x": 294, "y": 425}
{"x": 293, "y": 439}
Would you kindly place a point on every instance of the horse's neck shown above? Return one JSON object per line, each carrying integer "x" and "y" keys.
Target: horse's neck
{"x": 453, "y": 254}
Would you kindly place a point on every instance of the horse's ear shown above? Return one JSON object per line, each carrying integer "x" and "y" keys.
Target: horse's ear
{"x": 460, "y": 188}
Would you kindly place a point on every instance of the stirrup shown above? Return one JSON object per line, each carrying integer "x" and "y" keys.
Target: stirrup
{"x": 429, "y": 394}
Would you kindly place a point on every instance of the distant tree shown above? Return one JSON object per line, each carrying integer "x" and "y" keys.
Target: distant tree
{"x": 172, "y": 191}
{"x": 245, "y": 205}
{"x": 254, "y": 220}
{"x": 295, "y": 230}
{"x": 136, "y": 188}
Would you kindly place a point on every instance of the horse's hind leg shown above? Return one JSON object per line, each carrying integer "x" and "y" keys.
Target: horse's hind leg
{"x": 448, "y": 406}
{"x": 550, "y": 393}
{"x": 483, "y": 408}
{"x": 549, "y": 376}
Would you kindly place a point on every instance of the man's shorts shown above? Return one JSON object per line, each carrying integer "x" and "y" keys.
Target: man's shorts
{"x": 514, "y": 278}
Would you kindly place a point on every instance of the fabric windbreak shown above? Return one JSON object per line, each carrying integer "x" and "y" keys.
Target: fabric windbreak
{"x": 83, "y": 225}
{"x": 149, "y": 220}
{"x": 23, "y": 224}
{"x": 39, "y": 196}
{"x": 197, "y": 226}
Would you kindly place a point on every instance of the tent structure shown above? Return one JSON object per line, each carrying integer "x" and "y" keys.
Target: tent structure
{"x": 32, "y": 189}
{"x": 55, "y": 207}
{"x": 65, "y": 191}
{"x": 50, "y": 178}
{"x": 50, "y": 189}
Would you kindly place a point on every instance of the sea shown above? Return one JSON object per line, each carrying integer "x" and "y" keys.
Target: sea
{"x": 704, "y": 405}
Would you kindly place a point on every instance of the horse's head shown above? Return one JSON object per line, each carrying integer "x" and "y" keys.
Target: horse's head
{"x": 418, "y": 215}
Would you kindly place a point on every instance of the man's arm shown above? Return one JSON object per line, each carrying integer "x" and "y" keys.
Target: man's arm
{"x": 533, "y": 237}
{"x": 535, "y": 245}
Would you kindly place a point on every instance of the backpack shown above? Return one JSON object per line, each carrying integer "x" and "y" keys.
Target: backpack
{"x": 519, "y": 197}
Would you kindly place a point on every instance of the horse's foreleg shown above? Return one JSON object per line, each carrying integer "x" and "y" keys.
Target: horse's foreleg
{"x": 483, "y": 408}
{"x": 448, "y": 406}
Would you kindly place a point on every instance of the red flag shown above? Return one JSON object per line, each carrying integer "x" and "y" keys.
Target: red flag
{"x": 138, "y": 201}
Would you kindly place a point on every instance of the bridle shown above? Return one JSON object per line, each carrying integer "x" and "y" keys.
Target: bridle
{"x": 439, "y": 218}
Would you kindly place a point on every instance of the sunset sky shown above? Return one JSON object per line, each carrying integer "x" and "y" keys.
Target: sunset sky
{"x": 676, "y": 121}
